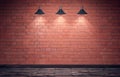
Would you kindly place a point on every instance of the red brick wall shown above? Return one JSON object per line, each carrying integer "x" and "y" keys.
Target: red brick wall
{"x": 26, "y": 38}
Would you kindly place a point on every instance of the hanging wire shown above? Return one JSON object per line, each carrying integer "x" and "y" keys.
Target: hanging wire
{"x": 82, "y": 4}
{"x": 60, "y": 4}
{"x": 39, "y": 7}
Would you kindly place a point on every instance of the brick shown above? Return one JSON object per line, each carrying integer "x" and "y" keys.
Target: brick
{"x": 26, "y": 38}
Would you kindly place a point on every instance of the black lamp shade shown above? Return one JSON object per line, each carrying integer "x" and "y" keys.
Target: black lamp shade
{"x": 60, "y": 11}
{"x": 82, "y": 11}
{"x": 39, "y": 11}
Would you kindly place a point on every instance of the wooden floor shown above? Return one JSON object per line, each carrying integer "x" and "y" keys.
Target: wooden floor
{"x": 59, "y": 70}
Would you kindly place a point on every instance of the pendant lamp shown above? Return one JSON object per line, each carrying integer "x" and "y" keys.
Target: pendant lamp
{"x": 60, "y": 11}
{"x": 82, "y": 11}
{"x": 39, "y": 11}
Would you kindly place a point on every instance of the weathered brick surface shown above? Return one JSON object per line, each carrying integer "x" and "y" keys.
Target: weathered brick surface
{"x": 26, "y": 38}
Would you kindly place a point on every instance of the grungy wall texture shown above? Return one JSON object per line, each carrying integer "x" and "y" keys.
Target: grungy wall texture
{"x": 26, "y": 38}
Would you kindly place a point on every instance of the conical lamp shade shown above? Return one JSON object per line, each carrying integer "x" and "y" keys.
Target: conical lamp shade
{"x": 82, "y": 11}
{"x": 60, "y": 11}
{"x": 39, "y": 11}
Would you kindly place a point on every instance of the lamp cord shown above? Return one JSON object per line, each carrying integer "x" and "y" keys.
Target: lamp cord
{"x": 39, "y": 7}
{"x": 60, "y": 4}
{"x": 82, "y": 4}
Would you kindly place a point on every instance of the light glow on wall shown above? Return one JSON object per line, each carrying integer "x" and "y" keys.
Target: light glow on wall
{"x": 60, "y": 20}
{"x": 39, "y": 20}
{"x": 82, "y": 21}
{"x": 83, "y": 24}
{"x": 37, "y": 27}
{"x": 59, "y": 23}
